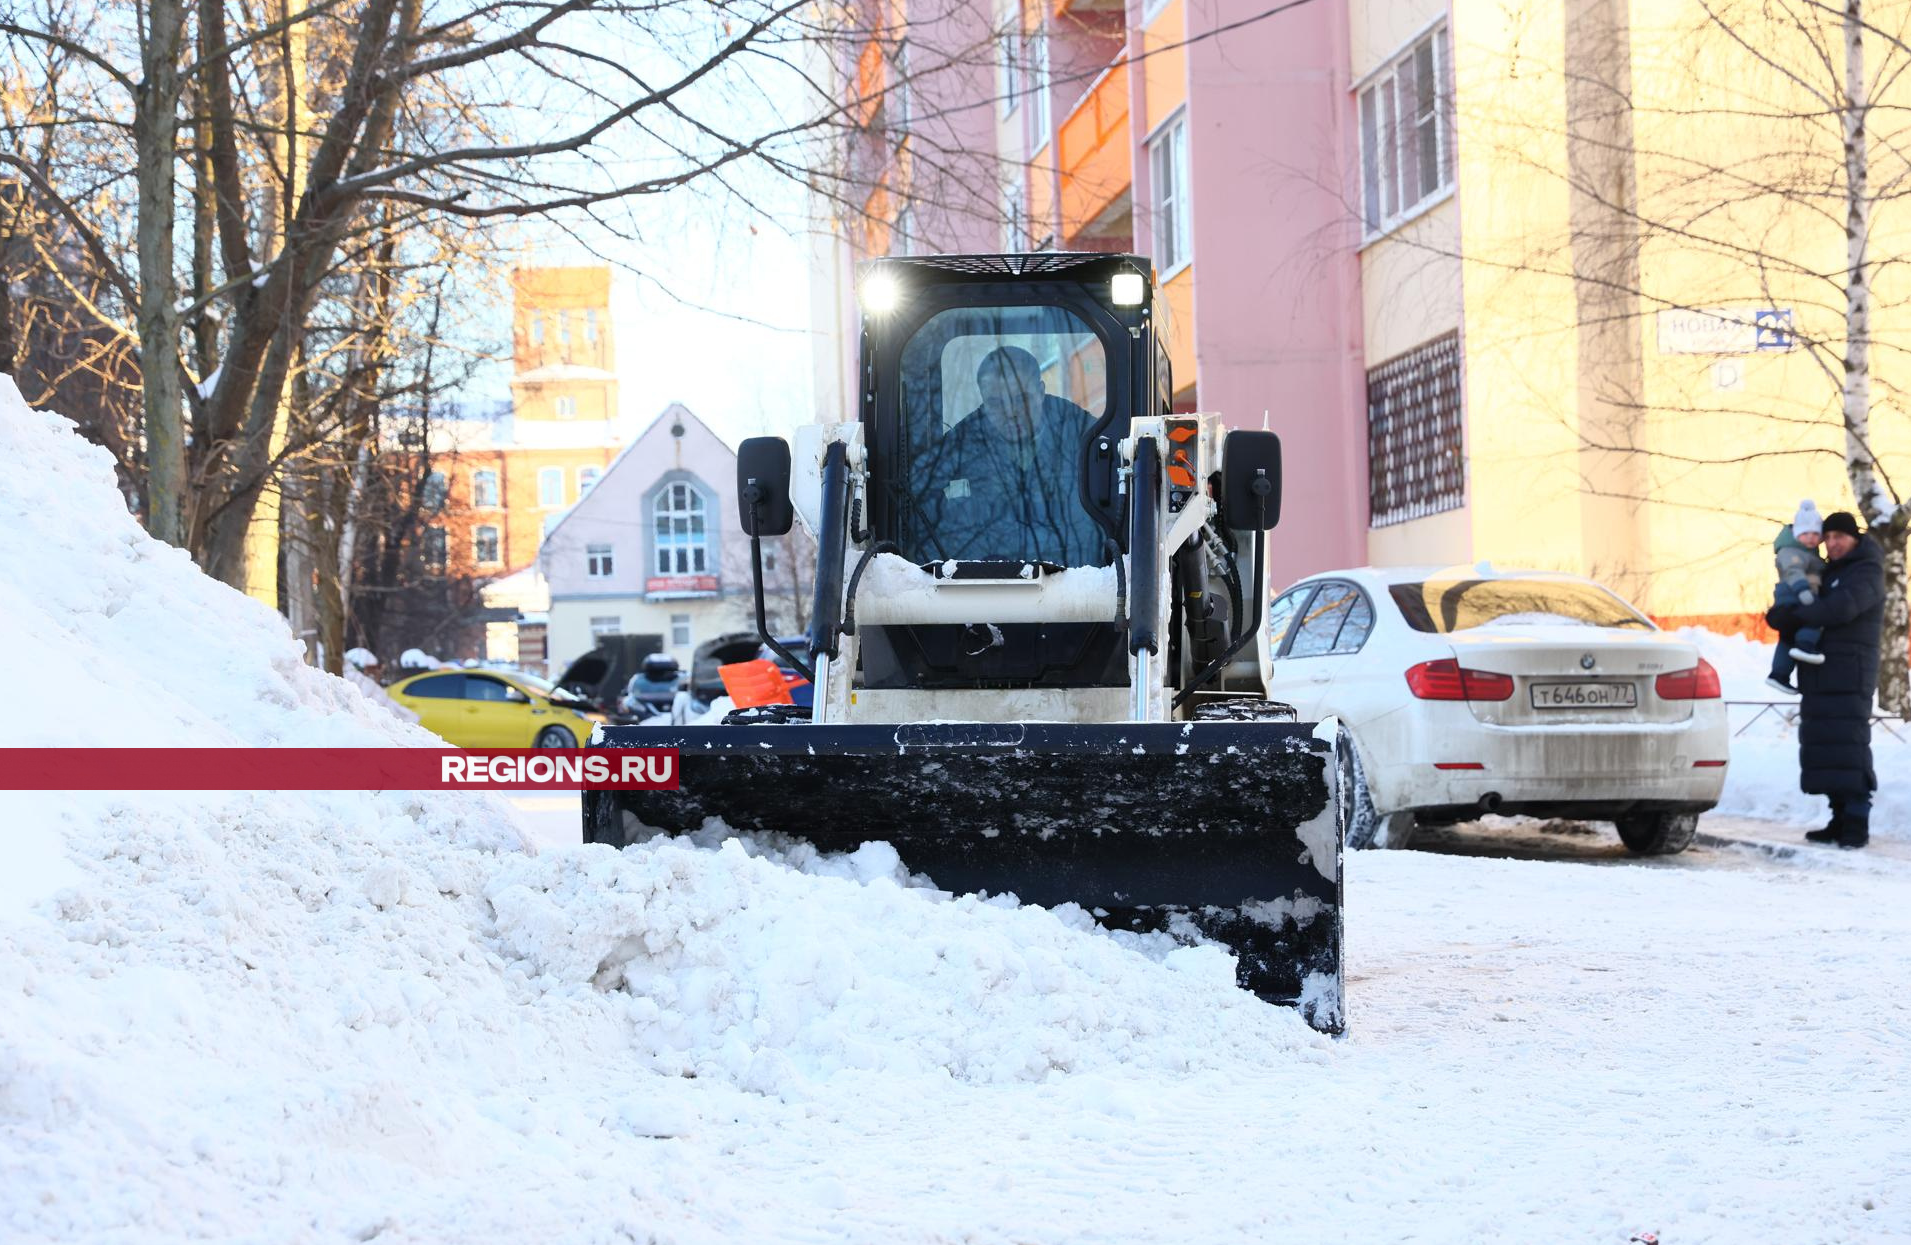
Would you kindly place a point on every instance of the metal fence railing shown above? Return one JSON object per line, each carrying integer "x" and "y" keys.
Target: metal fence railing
{"x": 1785, "y": 713}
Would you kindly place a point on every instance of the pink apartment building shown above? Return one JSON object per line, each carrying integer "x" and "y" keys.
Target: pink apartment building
{"x": 1232, "y": 159}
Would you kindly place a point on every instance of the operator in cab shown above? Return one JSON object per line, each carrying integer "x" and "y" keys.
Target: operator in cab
{"x": 1004, "y": 483}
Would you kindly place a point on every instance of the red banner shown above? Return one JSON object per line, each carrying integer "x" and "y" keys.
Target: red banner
{"x": 337, "y": 769}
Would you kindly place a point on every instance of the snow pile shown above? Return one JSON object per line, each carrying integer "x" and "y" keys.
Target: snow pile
{"x": 318, "y": 1016}
{"x": 739, "y": 967}
{"x": 1762, "y": 779}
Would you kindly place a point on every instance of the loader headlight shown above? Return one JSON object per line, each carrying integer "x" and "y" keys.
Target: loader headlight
{"x": 880, "y": 294}
{"x": 1128, "y": 289}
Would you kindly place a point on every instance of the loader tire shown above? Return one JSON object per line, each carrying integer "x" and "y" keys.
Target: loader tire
{"x": 1657, "y": 834}
{"x": 1367, "y": 827}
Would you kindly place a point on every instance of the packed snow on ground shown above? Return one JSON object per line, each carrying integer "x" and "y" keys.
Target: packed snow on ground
{"x": 360, "y": 1017}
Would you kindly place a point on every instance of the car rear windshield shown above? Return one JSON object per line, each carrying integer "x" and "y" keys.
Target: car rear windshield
{"x": 1447, "y": 605}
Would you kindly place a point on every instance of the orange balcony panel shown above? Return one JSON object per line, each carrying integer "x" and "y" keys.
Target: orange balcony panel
{"x": 876, "y": 221}
{"x": 872, "y": 78}
{"x": 1094, "y": 152}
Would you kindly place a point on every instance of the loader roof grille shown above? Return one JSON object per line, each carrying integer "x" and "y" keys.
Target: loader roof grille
{"x": 1007, "y": 265}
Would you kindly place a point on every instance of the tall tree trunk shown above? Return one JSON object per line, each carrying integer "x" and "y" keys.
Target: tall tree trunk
{"x": 155, "y": 129}
{"x": 1874, "y": 500}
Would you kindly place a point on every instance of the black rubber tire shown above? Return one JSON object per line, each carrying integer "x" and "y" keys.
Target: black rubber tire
{"x": 1657, "y": 834}
{"x": 555, "y": 737}
{"x": 1367, "y": 827}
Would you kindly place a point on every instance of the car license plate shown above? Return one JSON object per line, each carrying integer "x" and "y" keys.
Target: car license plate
{"x": 1585, "y": 696}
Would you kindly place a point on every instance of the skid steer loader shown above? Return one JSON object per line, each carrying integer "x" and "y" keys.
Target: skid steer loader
{"x": 1036, "y": 640}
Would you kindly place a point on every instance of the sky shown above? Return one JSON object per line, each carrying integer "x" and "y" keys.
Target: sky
{"x": 710, "y": 283}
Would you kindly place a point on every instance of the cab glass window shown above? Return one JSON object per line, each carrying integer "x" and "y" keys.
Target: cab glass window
{"x": 439, "y": 687}
{"x": 476, "y": 687}
{"x": 997, "y": 404}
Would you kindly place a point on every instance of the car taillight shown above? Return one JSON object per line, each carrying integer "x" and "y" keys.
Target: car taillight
{"x": 1701, "y": 682}
{"x": 1447, "y": 679}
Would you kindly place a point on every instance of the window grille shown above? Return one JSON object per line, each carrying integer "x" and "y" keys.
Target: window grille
{"x": 1416, "y": 464}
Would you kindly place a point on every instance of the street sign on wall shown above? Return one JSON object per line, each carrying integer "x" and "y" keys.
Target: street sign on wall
{"x": 1725, "y": 330}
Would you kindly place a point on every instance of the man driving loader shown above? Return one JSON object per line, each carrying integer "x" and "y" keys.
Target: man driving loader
{"x": 1002, "y": 483}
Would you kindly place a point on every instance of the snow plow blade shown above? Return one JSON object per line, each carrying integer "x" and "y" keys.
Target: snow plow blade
{"x": 1235, "y": 826}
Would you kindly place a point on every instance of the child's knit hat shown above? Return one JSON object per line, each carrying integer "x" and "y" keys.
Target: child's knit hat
{"x": 1807, "y": 520}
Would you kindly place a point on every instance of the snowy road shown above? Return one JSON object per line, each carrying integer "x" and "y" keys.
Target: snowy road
{"x": 1550, "y": 1040}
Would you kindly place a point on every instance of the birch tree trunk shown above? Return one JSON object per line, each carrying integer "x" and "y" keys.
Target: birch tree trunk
{"x": 1882, "y": 513}
{"x": 155, "y": 131}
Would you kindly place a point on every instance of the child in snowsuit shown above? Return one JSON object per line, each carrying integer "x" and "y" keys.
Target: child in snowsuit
{"x": 1800, "y": 572}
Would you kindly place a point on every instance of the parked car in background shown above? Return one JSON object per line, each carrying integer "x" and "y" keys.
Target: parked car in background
{"x": 654, "y": 688}
{"x": 488, "y": 709}
{"x": 602, "y": 675}
{"x": 706, "y": 683}
{"x": 1470, "y": 691}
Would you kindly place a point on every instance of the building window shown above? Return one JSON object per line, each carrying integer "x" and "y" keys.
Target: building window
{"x": 680, "y": 630}
{"x": 587, "y": 480}
{"x": 1415, "y": 465}
{"x": 1014, "y": 218}
{"x": 899, "y": 105}
{"x": 1168, "y": 178}
{"x": 1406, "y": 134}
{"x": 552, "y": 520}
{"x": 1038, "y": 88}
{"x": 902, "y": 238}
{"x": 550, "y": 486}
{"x": 598, "y": 561}
{"x": 434, "y": 549}
{"x": 537, "y": 330}
{"x": 484, "y": 545}
{"x": 682, "y": 548}
{"x": 435, "y": 491}
{"x": 590, "y": 324}
{"x": 566, "y": 407}
{"x": 1009, "y": 73}
{"x": 603, "y": 625}
{"x": 484, "y": 488}
{"x": 563, "y": 328}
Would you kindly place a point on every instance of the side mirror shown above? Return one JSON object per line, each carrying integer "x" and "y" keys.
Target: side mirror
{"x": 1250, "y": 474}
{"x": 763, "y": 486}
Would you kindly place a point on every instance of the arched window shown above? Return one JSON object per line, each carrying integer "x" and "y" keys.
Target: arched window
{"x": 484, "y": 488}
{"x": 682, "y": 536}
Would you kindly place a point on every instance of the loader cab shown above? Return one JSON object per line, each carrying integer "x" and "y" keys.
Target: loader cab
{"x": 994, "y": 392}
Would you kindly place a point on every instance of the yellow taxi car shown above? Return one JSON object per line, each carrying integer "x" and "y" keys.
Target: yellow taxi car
{"x": 491, "y": 709}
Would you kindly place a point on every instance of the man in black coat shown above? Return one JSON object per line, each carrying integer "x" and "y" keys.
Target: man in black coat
{"x": 1834, "y": 730}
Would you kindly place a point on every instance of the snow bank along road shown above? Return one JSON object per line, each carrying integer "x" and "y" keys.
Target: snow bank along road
{"x": 358, "y": 1017}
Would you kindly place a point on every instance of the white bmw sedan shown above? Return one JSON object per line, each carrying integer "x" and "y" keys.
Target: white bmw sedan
{"x": 1471, "y": 691}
